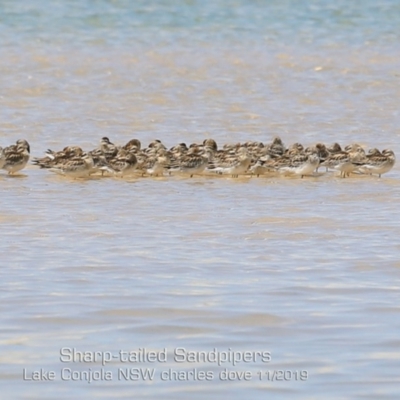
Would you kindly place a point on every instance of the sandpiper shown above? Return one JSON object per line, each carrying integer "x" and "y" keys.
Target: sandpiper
{"x": 77, "y": 167}
{"x": 16, "y": 156}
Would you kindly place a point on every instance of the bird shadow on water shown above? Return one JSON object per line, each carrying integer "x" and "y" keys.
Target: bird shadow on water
{"x": 17, "y": 176}
{"x": 61, "y": 178}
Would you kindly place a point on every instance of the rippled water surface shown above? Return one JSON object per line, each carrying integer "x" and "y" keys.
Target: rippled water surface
{"x": 305, "y": 269}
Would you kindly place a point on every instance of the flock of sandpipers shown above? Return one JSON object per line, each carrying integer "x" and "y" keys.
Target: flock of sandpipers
{"x": 249, "y": 158}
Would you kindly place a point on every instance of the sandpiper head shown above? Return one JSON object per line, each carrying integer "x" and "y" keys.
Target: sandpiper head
{"x": 133, "y": 143}
{"x": 293, "y": 152}
{"x": 73, "y": 151}
{"x": 210, "y": 143}
{"x": 24, "y": 143}
{"x": 158, "y": 146}
{"x": 277, "y": 141}
{"x": 359, "y": 150}
{"x": 105, "y": 140}
{"x": 193, "y": 149}
{"x": 297, "y": 146}
{"x": 348, "y": 147}
{"x": 180, "y": 148}
{"x": 155, "y": 143}
{"x": 352, "y": 147}
{"x": 77, "y": 150}
{"x": 388, "y": 152}
{"x": 208, "y": 148}
{"x": 229, "y": 146}
{"x": 374, "y": 152}
{"x": 22, "y": 148}
{"x": 335, "y": 148}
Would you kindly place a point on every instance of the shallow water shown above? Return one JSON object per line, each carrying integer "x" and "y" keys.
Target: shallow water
{"x": 306, "y": 269}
